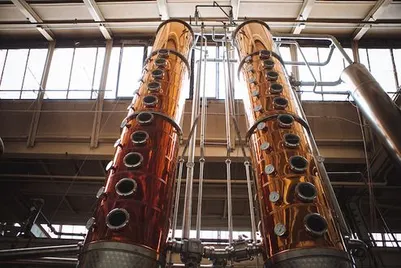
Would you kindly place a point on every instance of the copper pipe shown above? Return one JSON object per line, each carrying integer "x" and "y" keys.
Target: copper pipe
{"x": 131, "y": 222}
{"x": 298, "y": 227}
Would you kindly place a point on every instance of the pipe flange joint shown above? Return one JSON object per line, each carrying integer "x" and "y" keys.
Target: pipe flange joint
{"x": 90, "y": 223}
{"x": 190, "y": 164}
{"x": 320, "y": 159}
{"x": 101, "y": 192}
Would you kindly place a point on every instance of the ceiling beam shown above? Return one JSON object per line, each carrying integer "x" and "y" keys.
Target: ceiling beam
{"x": 33, "y": 17}
{"x": 373, "y": 15}
{"x": 163, "y": 11}
{"x": 303, "y": 15}
{"x": 98, "y": 16}
{"x": 235, "y": 4}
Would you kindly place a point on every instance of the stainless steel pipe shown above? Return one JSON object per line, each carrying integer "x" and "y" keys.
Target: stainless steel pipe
{"x": 250, "y": 199}
{"x": 37, "y": 252}
{"x": 187, "y": 213}
{"x": 376, "y": 106}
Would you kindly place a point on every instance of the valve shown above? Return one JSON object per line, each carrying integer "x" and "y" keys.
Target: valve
{"x": 191, "y": 253}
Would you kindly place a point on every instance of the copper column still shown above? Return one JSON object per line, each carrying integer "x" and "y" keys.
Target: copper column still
{"x": 297, "y": 225}
{"x": 131, "y": 223}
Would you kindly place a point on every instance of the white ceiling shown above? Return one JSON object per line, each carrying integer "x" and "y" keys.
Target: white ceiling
{"x": 129, "y": 17}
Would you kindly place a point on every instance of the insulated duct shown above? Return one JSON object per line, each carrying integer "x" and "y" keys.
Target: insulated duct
{"x": 298, "y": 226}
{"x": 131, "y": 222}
{"x": 376, "y": 106}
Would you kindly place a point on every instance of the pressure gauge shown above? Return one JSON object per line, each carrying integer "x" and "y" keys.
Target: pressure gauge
{"x": 265, "y": 146}
{"x": 279, "y": 229}
{"x": 274, "y": 197}
{"x": 269, "y": 169}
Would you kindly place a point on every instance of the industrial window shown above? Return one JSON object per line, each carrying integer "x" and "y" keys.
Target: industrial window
{"x": 327, "y": 73}
{"x": 125, "y": 71}
{"x": 86, "y": 73}
{"x": 386, "y": 239}
{"x": 33, "y": 73}
{"x": 21, "y": 72}
{"x": 212, "y": 87}
{"x": 70, "y": 229}
{"x": 213, "y": 234}
{"x": 397, "y": 61}
{"x": 59, "y": 75}
{"x": 381, "y": 63}
{"x": 75, "y": 73}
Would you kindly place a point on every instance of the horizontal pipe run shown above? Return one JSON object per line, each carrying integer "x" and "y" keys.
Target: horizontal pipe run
{"x": 207, "y": 181}
{"x": 45, "y": 261}
{"x": 272, "y": 21}
{"x": 323, "y": 63}
{"x": 318, "y": 37}
{"x": 36, "y": 252}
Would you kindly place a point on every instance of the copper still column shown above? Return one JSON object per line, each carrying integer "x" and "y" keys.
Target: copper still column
{"x": 131, "y": 223}
{"x": 297, "y": 224}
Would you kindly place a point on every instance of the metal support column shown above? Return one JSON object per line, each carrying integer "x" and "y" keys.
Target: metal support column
{"x": 39, "y": 99}
{"x": 100, "y": 98}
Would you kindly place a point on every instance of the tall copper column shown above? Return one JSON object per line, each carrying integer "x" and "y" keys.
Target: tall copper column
{"x": 297, "y": 224}
{"x": 131, "y": 222}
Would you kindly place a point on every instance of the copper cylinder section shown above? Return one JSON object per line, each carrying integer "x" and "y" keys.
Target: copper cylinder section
{"x": 131, "y": 222}
{"x": 297, "y": 224}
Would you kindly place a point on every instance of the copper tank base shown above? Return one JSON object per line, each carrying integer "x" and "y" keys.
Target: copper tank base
{"x": 310, "y": 258}
{"x": 117, "y": 254}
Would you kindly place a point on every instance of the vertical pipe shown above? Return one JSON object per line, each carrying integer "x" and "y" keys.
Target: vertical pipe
{"x": 177, "y": 196}
{"x": 200, "y": 194}
{"x": 202, "y": 151}
{"x": 229, "y": 202}
{"x": 297, "y": 224}
{"x": 187, "y": 213}
{"x": 227, "y": 79}
{"x": 130, "y": 225}
{"x": 250, "y": 199}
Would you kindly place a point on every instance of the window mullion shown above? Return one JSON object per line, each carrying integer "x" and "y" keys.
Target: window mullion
{"x": 94, "y": 72}
{"x": 397, "y": 83}
{"x": 71, "y": 68}
{"x": 4, "y": 66}
{"x": 368, "y": 59}
{"x": 23, "y": 77}
{"x": 145, "y": 55}
{"x": 120, "y": 60}
{"x": 320, "y": 72}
